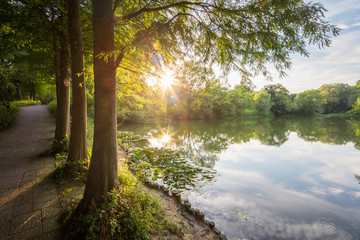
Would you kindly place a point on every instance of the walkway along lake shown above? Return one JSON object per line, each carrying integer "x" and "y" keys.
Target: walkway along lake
{"x": 284, "y": 178}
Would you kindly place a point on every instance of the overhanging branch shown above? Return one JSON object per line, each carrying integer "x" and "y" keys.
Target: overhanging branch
{"x": 155, "y": 9}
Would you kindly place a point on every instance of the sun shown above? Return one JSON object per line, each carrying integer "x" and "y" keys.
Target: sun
{"x": 167, "y": 79}
{"x": 165, "y": 139}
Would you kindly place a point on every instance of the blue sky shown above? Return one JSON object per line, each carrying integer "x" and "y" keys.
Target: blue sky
{"x": 340, "y": 63}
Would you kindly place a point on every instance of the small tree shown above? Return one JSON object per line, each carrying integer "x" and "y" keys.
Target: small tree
{"x": 262, "y": 102}
{"x": 308, "y": 102}
{"x": 337, "y": 97}
{"x": 280, "y": 99}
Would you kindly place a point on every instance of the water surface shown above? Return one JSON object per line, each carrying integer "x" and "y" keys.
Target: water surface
{"x": 285, "y": 178}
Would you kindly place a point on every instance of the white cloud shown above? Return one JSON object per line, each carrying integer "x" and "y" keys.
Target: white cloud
{"x": 336, "y": 7}
{"x": 339, "y": 63}
{"x": 343, "y": 26}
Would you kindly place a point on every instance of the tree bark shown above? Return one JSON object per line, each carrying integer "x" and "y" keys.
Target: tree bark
{"x": 18, "y": 91}
{"x": 77, "y": 145}
{"x": 33, "y": 91}
{"x": 102, "y": 175}
{"x": 63, "y": 102}
{"x": 56, "y": 65}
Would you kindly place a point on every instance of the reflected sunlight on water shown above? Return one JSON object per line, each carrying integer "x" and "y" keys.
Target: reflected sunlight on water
{"x": 160, "y": 141}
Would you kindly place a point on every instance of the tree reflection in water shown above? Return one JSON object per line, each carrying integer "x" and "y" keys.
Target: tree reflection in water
{"x": 203, "y": 141}
{"x": 263, "y": 179}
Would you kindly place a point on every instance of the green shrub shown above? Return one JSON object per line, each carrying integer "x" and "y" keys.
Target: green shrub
{"x": 8, "y": 114}
{"x": 53, "y": 106}
{"x": 70, "y": 170}
{"x": 24, "y": 103}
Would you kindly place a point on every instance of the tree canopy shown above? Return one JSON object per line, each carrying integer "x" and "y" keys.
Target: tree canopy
{"x": 236, "y": 35}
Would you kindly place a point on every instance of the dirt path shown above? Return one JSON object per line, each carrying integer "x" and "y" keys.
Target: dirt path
{"x": 29, "y": 207}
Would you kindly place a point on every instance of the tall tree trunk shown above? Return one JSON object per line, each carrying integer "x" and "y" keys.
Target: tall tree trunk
{"x": 56, "y": 65}
{"x": 33, "y": 91}
{"x": 18, "y": 91}
{"x": 77, "y": 145}
{"x": 63, "y": 102}
{"x": 103, "y": 165}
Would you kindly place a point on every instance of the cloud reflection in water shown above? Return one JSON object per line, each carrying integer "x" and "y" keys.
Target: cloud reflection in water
{"x": 282, "y": 195}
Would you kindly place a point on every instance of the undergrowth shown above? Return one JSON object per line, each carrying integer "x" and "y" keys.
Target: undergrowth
{"x": 70, "y": 170}
{"x": 127, "y": 213}
{"x": 8, "y": 113}
{"x": 53, "y": 106}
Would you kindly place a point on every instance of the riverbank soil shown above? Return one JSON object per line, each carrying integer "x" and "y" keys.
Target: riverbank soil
{"x": 29, "y": 207}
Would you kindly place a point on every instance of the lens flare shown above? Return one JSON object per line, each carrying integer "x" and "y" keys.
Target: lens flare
{"x": 167, "y": 79}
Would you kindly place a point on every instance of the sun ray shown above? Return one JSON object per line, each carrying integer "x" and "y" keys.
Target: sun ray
{"x": 167, "y": 79}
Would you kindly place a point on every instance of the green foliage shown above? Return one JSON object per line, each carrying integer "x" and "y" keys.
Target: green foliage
{"x": 46, "y": 93}
{"x": 280, "y": 99}
{"x": 215, "y": 102}
{"x": 24, "y": 103}
{"x": 262, "y": 102}
{"x": 356, "y": 107}
{"x": 169, "y": 166}
{"x": 127, "y": 213}
{"x": 337, "y": 97}
{"x": 127, "y": 137}
{"x": 309, "y": 102}
{"x": 220, "y": 32}
{"x": 70, "y": 170}
{"x": 8, "y": 114}
{"x": 212, "y": 100}
{"x": 241, "y": 100}
{"x": 52, "y": 106}
{"x": 131, "y": 97}
{"x": 60, "y": 146}
{"x": 60, "y": 160}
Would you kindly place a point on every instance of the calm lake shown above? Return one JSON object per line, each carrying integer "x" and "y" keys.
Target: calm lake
{"x": 283, "y": 178}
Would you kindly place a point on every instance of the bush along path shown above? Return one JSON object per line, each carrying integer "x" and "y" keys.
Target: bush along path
{"x": 29, "y": 207}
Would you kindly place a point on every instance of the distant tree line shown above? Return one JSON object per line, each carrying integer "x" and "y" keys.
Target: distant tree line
{"x": 200, "y": 99}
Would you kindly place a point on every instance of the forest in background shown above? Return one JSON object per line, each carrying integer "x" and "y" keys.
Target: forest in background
{"x": 191, "y": 98}
{"x": 196, "y": 97}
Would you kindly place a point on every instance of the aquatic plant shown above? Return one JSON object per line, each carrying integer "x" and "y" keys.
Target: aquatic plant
{"x": 169, "y": 167}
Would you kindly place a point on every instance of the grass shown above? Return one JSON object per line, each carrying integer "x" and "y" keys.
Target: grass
{"x": 330, "y": 115}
